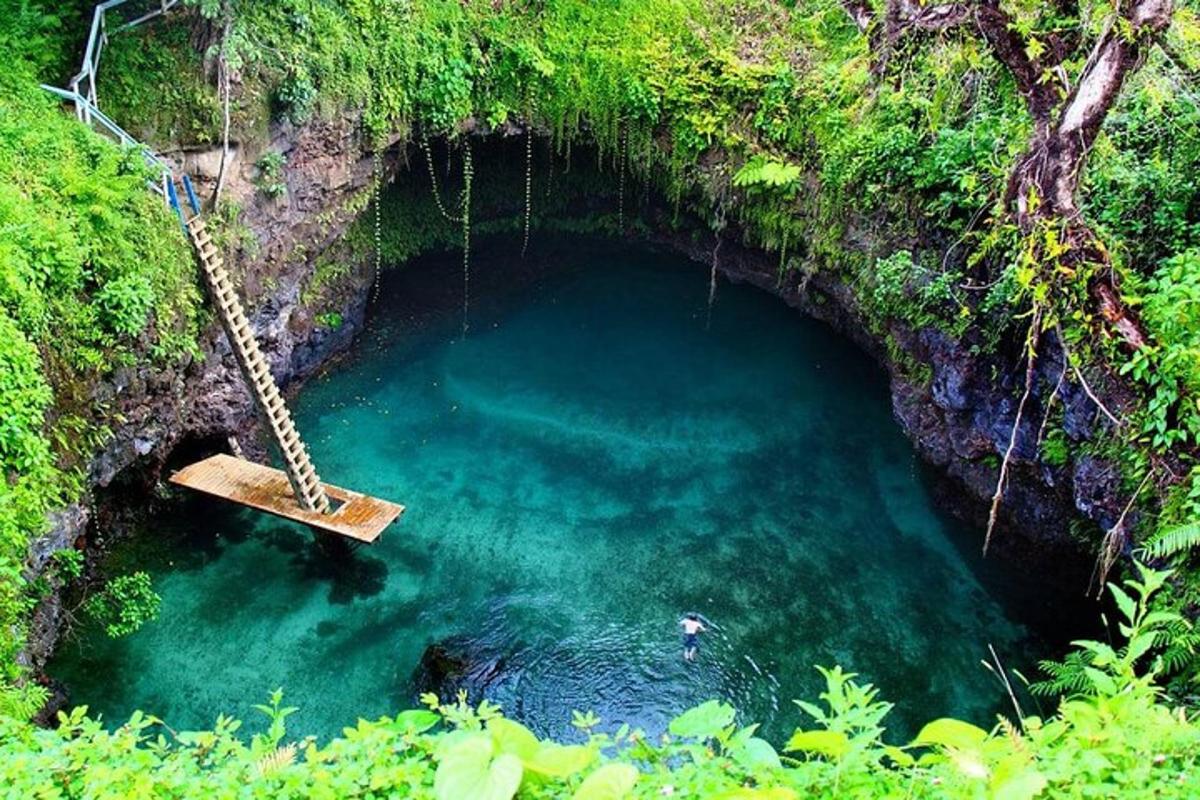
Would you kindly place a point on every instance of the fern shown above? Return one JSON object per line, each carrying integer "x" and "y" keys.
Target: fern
{"x": 276, "y": 760}
{"x": 22, "y": 701}
{"x": 1064, "y": 677}
{"x": 1180, "y": 641}
{"x": 1176, "y": 541}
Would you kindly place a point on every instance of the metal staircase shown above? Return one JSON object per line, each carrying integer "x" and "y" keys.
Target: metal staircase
{"x": 306, "y": 484}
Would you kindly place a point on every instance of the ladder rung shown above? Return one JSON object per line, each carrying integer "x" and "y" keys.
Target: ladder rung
{"x": 306, "y": 482}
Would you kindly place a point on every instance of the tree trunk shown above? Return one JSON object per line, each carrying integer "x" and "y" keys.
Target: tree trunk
{"x": 1044, "y": 184}
{"x": 223, "y": 77}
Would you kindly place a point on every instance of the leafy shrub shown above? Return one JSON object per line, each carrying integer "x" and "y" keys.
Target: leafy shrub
{"x": 332, "y": 320}
{"x": 124, "y": 304}
{"x": 124, "y": 604}
{"x": 1170, "y": 368}
{"x": 91, "y": 266}
{"x": 762, "y": 172}
{"x": 297, "y": 96}
{"x": 270, "y": 180}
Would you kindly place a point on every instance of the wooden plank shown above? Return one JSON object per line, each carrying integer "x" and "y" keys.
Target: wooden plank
{"x": 358, "y": 517}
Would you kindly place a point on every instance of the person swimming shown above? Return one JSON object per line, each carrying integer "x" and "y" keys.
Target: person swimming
{"x": 692, "y": 628}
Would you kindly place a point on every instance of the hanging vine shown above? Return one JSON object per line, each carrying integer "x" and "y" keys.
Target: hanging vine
{"x": 377, "y": 194}
{"x": 622, "y": 155}
{"x": 468, "y": 174}
{"x": 718, "y": 228}
{"x": 437, "y": 195}
{"x": 528, "y": 186}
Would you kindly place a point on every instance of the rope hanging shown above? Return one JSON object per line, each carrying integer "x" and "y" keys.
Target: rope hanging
{"x": 377, "y": 168}
{"x": 468, "y": 173}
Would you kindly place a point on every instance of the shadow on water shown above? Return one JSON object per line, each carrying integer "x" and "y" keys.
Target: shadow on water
{"x": 591, "y": 462}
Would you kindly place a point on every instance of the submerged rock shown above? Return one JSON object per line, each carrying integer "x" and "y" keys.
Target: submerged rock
{"x": 457, "y": 663}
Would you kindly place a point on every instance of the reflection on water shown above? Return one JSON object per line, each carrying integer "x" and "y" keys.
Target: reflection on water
{"x": 585, "y": 467}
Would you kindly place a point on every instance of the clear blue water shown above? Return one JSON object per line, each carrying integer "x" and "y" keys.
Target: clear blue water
{"x": 592, "y": 461}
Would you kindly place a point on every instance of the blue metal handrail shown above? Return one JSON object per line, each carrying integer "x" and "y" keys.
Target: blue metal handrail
{"x": 173, "y": 199}
{"x": 191, "y": 194}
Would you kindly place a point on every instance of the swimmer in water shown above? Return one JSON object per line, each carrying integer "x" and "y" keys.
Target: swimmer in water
{"x": 692, "y": 628}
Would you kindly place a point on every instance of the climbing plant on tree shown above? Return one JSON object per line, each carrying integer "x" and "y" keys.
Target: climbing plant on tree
{"x": 1069, "y": 82}
{"x": 1038, "y": 44}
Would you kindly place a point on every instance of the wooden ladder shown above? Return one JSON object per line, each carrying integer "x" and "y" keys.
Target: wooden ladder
{"x": 301, "y": 474}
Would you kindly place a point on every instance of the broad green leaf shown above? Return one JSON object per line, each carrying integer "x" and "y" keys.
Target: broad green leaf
{"x": 1104, "y": 654}
{"x": 469, "y": 772}
{"x": 513, "y": 737}
{"x": 827, "y": 743}
{"x": 559, "y": 761}
{"x": 1124, "y": 602}
{"x": 610, "y": 782}
{"x": 415, "y": 721}
{"x": 1101, "y": 680}
{"x": 899, "y": 757}
{"x": 1025, "y": 785}
{"x": 703, "y": 721}
{"x": 948, "y": 732}
{"x": 1140, "y": 645}
{"x": 755, "y": 754}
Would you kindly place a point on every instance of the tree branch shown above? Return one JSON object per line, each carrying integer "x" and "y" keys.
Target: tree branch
{"x": 860, "y": 11}
{"x": 1011, "y": 50}
{"x": 1112, "y": 60}
{"x": 1031, "y": 341}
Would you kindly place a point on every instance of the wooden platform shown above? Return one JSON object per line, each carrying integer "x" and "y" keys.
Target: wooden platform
{"x": 358, "y": 517}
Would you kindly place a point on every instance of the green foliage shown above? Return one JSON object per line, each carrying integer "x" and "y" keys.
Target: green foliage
{"x": 763, "y": 172}
{"x": 1099, "y": 667}
{"x": 124, "y": 604}
{"x": 68, "y": 564}
{"x": 1115, "y": 735}
{"x": 1056, "y": 448}
{"x": 183, "y": 107}
{"x": 93, "y": 274}
{"x": 835, "y": 165}
{"x": 1173, "y": 542}
{"x": 1170, "y": 368}
{"x": 270, "y": 179}
{"x": 332, "y": 320}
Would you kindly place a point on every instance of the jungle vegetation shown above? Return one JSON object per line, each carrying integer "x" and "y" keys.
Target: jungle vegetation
{"x": 1024, "y": 175}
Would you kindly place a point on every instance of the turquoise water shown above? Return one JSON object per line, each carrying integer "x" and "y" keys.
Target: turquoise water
{"x": 593, "y": 460}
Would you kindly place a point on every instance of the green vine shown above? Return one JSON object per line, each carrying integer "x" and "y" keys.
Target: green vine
{"x": 468, "y": 175}
{"x": 528, "y": 188}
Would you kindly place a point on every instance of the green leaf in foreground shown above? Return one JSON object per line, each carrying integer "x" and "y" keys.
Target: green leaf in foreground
{"x": 610, "y": 782}
{"x": 468, "y": 771}
{"x": 703, "y": 721}
{"x": 826, "y": 743}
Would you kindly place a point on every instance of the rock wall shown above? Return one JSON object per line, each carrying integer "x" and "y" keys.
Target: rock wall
{"x": 203, "y": 401}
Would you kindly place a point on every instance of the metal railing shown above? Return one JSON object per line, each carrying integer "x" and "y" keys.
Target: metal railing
{"x": 114, "y": 16}
{"x": 84, "y": 82}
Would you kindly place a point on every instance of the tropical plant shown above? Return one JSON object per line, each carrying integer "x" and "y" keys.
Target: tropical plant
{"x": 123, "y": 604}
